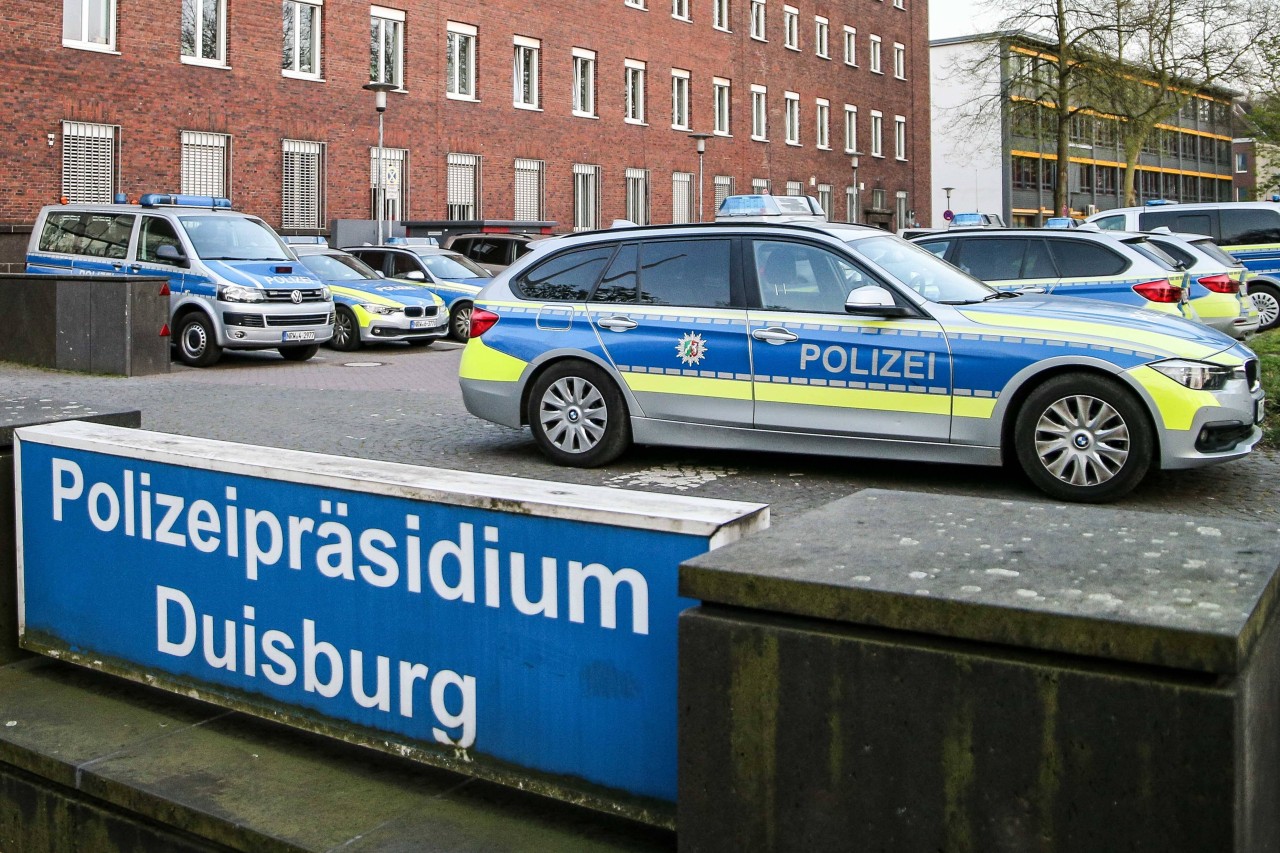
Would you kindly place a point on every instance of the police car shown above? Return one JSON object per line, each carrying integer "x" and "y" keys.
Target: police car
{"x": 844, "y": 341}
{"x": 452, "y": 277}
{"x": 233, "y": 284}
{"x": 367, "y": 307}
{"x": 1217, "y": 286}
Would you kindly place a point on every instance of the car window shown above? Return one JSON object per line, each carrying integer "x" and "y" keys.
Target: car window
{"x": 64, "y": 232}
{"x": 1151, "y": 251}
{"x": 1212, "y": 249}
{"x": 937, "y": 247}
{"x": 620, "y": 280}
{"x": 800, "y": 277}
{"x": 912, "y": 266}
{"x": 403, "y": 263}
{"x": 453, "y": 267}
{"x": 521, "y": 247}
{"x": 155, "y": 232}
{"x": 1038, "y": 263}
{"x": 233, "y": 238}
{"x": 567, "y": 277}
{"x": 1246, "y": 226}
{"x": 461, "y": 246}
{"x": 1173, "y": 250}
{"x": 372, "y": 257}
{"x": 99, "y": 235}
{"x": 488, "y": 251}
{"x": 1084, "y": 259}
{"x": 994, "y": 259}
{"x": 1110, "y": 223}
{"x": 685, "y": 272}
{"x": 1183, "y": 222}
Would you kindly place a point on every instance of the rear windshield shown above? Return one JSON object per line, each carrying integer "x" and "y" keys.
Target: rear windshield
{"x": 1150, "y": 250}
{"x": 1216, "y": 252}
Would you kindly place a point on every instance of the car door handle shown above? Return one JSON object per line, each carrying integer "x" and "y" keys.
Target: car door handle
{"x": 617, "y": 324}
{"x": 775, "y": 335}
{"x": 135, "y": 268}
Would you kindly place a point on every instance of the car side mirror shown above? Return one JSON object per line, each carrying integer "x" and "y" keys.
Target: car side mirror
{"x": 415, "y": 275}
{"x": 874, "y": 300}
{"x": 170, "y": 254}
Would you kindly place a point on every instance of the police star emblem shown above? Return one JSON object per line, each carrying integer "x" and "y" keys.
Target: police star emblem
{"x": 691, "y": 348}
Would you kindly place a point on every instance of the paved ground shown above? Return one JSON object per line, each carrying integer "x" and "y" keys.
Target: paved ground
{"x": 400, "y": 404}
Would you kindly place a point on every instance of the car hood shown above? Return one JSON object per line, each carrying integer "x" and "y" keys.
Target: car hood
{"x": 263, "y": 273}
{"x": 1103, "y": 324}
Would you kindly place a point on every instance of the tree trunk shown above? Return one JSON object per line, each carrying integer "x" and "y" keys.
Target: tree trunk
{"x": 1132, "y": 150}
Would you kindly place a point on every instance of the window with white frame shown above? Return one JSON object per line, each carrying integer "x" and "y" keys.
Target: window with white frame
{"x": 204, "y": 32}
{"x": 900, "y": 61}
{"x": 723, "y": 188}
{"x": 720, "y": 14}
{"x": 206, "y": 164}
{"x": 759, "y": 113}
{"x": 635, "y": 91}
{"x": 899, "y": 4}
{"x": 877, "y": 133}
{"x": 824, "y": 199}
{"x": 302, "y": 203}
{"x": 792, "y": 103}
{"x": 850, "y": 129}
{"x": 530, "y": 189}
{"x": 680, "y": 9}
{"x": 900, "y": 137}
{"x": 850, "y": 46}
{"x": 90, "y": 155}
{"x": 462, "y": 190}
{"x": 902, "y": 212}
{"x": 823, "y": 123}
{"x": 793, "y": 188}
{"x": 820, "y": 30}
{"x": 879, "y": 198}
{"x": 760, "y": 186}
{"x": 791, "y": 27}
{"x": 301, "y": 57}
{"x": 873, "y": 55}
{"x": 584, "y": 82}
{"x": 679, "y": 99}
{"x": 460, "y": 61}
{"x": 528, "y": 52}
{"x": 586, "y": 197}
{"x": 393, "y": 190}
{"x": 757, "y": 19}
{"x": 720, "y": 102}
{"x": 634, "y": 4}
{"x": 681, "y": 197}
{"x": 851, "y": 203}
{"x": 90, "y": 24}
{"x": 638, "y": 196}
{"x": 386, "y": 46}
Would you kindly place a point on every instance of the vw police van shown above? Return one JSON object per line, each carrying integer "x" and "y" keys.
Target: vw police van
{"x": 233, "y": 284}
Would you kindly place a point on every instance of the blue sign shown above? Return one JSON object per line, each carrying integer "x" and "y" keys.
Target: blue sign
{"x": 482, "y": 622}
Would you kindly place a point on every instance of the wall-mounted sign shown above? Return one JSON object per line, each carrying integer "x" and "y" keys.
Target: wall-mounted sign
{"x": 518, "y": 630}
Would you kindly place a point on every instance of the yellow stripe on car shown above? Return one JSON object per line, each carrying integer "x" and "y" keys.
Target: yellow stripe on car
{"x": 1176, "y": 403}
{"x": 693, "y": 386}
{"x": 480, "y": 361}
{"x": 1082, "y": 332}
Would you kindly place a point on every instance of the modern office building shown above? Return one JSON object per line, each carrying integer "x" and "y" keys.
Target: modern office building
{"x": 577, "y": 112}
{"x": 994, "y": 147}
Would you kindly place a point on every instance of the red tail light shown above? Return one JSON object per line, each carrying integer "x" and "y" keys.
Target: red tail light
{"x": 1160, "y": 290}
{"x": 481, "y": 321}
{"x": 1221, "y": 283}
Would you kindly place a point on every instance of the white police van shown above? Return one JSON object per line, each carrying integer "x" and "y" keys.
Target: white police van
{"x": 233, "y": 283}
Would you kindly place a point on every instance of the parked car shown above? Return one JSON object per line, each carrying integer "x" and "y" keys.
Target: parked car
{"x": 1063, "y": 222}
{"x": 977, "y": 220}
{"x": 448, "y": 274}
{"x": 370, "y": 308}
{"x": 1075, "y": 262}
{"x": 770, "y": 208}
{"x": 1218, "y": 290}
{"x": 1249, "y": 230}
{"x": 818, "y": 338}
{"x": 493, "y": 252}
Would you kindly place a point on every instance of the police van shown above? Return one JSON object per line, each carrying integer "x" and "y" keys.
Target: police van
{"x": 233, "y": 283}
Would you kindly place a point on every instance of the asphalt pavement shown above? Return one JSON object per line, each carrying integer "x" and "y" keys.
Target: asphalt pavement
{"x": 402, "y": 404}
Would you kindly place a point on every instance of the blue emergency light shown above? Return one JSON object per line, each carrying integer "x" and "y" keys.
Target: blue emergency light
{"x": 177, "y": 200}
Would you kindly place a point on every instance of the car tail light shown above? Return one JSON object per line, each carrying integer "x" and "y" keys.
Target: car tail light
{"x": 481, "y": 321}
{"x": 1220, "y": 283}
{"x": 1161, "y": 290}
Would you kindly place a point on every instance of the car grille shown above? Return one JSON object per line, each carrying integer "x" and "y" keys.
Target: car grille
{"x": 286, "y": 295}
{"x": 300, "y": 320}
{"x": 254, "y": 321}
{"x": 419, "y": 311}
{"x": 1251, "y": 374}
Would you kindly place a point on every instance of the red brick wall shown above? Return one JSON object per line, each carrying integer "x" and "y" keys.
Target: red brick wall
{"x": 152, "y": 96}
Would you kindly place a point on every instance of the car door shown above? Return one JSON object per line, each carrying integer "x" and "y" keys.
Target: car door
{"x": 154, "y": 232}
{"x": 817, "y": 368}
{"x": 667, "y": 317}
{"x": 1009, "y": 263}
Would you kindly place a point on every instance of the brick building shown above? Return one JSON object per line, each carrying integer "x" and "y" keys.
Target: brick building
{"x": 577, "y": 112}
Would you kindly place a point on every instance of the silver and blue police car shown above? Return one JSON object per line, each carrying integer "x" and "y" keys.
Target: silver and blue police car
{"x": 843, "y": 340}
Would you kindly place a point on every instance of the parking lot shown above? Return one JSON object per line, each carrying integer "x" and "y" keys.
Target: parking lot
{"x": 394, "y": 403}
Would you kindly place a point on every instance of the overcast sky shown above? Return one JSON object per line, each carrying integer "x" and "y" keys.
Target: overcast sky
{"x": 949, "y": 18}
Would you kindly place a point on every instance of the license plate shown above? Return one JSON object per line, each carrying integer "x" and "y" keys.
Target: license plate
{"x": 421, "y": 324}
{"x": 1258, "y": 411}
{"x": 299, "y": 336}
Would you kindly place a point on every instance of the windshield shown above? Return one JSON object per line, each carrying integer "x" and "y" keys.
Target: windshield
{"x": 337, "y": 267}
{"x": 921, "y": 270}
{"x": 233, "y": 238}
{"x": 452, "y": 267}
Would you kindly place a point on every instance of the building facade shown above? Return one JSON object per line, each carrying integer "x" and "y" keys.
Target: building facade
{"x": 1006, "y": 160}
{"x": 577, "y": 112}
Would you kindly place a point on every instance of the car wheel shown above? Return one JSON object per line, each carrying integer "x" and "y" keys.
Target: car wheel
{"x": 299, "y": 353}
{"x": 578, "y": 416}
{"x": 197, "y": 343}
{"x": 1082, "y": 437}
{"x": 460, "y": 322}
{"x": 1266, "y": 298}
{"x": 346, "y": 330}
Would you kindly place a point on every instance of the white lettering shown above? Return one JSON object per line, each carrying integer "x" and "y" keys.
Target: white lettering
{"x": 609, "y": 581}
{"x": 164, "y": 644}
{"x": 310, "y": 651}
{"x": 108, "y": 522}
{"x": 463, "y": 551}
{"x": 64, "y": 489}
{"x": 164, "y": 533}
{"x": 466, "y": 717}
{"x": 254, "y": 555}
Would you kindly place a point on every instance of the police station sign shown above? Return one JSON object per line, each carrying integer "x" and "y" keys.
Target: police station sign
{"x": 518, "y": 630}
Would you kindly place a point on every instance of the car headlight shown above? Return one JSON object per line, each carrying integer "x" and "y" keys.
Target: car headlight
{"x": 325, "y": 294}
{"x": 240, "y": 293}
{"x": 380, "y": 309}
{"x": 1196, "y": 375}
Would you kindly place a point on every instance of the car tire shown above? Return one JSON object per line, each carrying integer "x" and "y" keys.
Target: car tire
{"x": 197, "y": 342}
{"x": 460, "y": 322}
{"x": 1266, "y": 298}
{"x": 299, "y": 353}
{"x": 578, "y": 416}
{"x": 1083, "y": 437}
{"x": 346, "y": 330}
